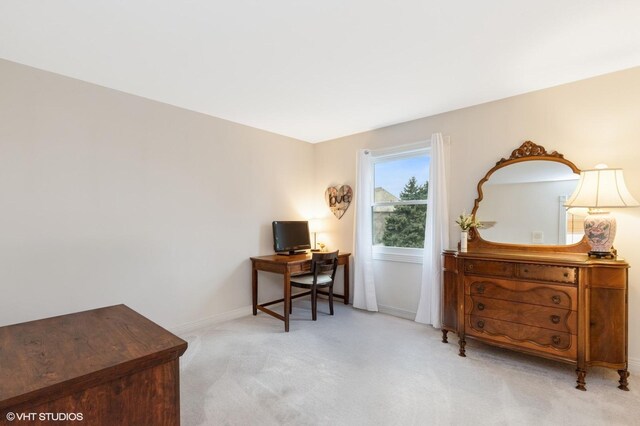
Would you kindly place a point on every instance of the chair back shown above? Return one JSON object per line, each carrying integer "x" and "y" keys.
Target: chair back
{"x": 324, "y": 262}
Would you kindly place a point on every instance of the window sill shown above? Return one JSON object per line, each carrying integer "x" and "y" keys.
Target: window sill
{"x": 398, "y": 254}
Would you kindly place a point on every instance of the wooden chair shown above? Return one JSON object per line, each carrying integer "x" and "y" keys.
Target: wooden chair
{"x": 323, "y": 273}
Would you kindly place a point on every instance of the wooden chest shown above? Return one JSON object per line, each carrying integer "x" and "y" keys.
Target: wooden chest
{"x": 108, "y": 366}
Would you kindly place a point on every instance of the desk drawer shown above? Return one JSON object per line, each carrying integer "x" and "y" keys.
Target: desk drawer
{"x": 300, "y": 269}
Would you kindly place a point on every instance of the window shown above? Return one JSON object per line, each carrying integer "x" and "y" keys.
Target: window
{"x": 575, "y": 226}
{"x": 400, "y": 205}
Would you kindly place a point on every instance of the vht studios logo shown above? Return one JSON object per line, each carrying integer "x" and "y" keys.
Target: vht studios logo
{"x": 51, "y": 417}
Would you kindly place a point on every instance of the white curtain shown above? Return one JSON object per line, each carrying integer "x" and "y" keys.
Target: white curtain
{"x": 364, "y": 290}
{"x": 436, "y": 237}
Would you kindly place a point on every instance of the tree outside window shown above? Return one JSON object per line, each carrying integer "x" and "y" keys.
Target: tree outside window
{"x": 399, "y": 211}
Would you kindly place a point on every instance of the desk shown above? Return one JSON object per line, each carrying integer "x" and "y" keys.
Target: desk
{"x": 112, "y": 365}
{"x": 289, "y": 266}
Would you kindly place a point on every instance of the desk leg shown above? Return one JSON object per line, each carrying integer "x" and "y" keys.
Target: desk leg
{"x": 346, "y": 283}
{"x": 254, "y": 290}
{"x": 287, "y": 299}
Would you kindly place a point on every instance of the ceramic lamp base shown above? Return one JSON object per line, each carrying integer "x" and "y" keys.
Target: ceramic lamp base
{"x": 600, "y": 229}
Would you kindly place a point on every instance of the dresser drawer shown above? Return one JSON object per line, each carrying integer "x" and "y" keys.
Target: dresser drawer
{"x": 559, "y": 274}
{"x": 522, "y": 336}
{"x": 557, "y": 319}
{"x": 557, "y": 296}
{"x": 487, "y": 267}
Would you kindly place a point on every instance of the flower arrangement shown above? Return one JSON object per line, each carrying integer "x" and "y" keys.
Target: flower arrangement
{"x": 466, "y": 221}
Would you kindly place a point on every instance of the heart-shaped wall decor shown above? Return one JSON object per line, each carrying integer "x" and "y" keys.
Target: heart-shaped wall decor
{"x": 338, "y": 199}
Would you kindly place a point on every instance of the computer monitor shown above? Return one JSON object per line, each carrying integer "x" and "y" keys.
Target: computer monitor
{"x": 291, "y": 237}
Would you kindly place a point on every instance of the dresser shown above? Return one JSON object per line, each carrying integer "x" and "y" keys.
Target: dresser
{"x": 561, "y": 306}
{"x": 107, "y": 366}
{"x": 526, "y": 281}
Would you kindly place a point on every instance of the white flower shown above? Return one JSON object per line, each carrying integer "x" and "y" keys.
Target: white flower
{"x": 466, "y": 221}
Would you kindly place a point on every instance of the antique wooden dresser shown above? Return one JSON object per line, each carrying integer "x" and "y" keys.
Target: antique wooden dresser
{"x": 562, "y": 306}
{"x": 552, "y": 301}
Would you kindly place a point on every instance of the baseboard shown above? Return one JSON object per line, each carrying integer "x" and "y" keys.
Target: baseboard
{"x": 397, "y": 312}
{"x": 190, "y": 327}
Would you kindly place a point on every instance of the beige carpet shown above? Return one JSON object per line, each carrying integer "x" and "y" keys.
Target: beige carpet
{"x": 360, "y": 368}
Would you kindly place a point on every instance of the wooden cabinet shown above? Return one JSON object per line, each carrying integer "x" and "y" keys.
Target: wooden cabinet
{"x": 108, "y": 366}
{"x": 563, "y": 306}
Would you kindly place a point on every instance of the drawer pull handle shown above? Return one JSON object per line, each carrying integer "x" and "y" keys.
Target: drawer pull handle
{"x": 480, "y": 289}
{"x": 566, "y": 275}
{"x": 555, "y": 319}
{"x": 556, "y": 300}
{"x": 555, "y": 339}
{"x": 469, "y": 267}
{"x": 481, "y": 306}
{"x": 526, "y": 271}
{"x": 480, "y": 324}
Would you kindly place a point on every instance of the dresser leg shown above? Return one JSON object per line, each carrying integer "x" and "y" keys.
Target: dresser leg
{"x": 462, "y": 344}
{"x": 581, "y": 382}
{"x": 444, "y": 336}
{"x": 624, "y": 383}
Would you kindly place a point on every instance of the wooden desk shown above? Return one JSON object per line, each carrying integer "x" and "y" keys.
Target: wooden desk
{"x": 111, "y": 365}
{"x": 289, "y": 266}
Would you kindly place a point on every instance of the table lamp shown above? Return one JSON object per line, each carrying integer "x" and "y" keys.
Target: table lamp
{"x": 315, "y": 226}
{"x": 600, "y": 189}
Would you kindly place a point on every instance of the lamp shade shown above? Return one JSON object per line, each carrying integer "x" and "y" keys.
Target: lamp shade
{"x": 601, "y": 188}
{"x": 316, "y": 225}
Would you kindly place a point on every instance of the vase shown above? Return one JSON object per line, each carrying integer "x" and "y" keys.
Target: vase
{"x": 464, "y": 237}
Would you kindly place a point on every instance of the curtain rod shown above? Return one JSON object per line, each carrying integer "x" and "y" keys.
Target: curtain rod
{"x": 406, "y": 147}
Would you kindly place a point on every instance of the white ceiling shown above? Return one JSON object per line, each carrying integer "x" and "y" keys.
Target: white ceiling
{"x": 316, "y": 70}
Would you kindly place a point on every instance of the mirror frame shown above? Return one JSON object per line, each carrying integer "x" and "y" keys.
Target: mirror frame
{"x": 528, "y": 151}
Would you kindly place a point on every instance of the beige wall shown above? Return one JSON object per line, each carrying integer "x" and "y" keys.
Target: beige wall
{"x": 109, "y": 198}
{"x": 591, "y": 121}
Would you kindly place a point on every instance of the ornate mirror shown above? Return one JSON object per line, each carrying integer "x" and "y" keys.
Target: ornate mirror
{"x": 521, "y": 202}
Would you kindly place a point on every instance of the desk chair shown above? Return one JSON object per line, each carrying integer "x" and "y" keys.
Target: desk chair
{"x": 321, "y": 265}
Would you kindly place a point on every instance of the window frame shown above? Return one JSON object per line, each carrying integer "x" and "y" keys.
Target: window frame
{"x": 397, "y": 254}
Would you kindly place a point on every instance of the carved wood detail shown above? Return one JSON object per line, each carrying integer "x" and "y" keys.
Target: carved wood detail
{"x": 624, "y": 383}
{"x": 462, "y": 343}
{"x": 581, "y": 379}
{"x": 530, "y": 149}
